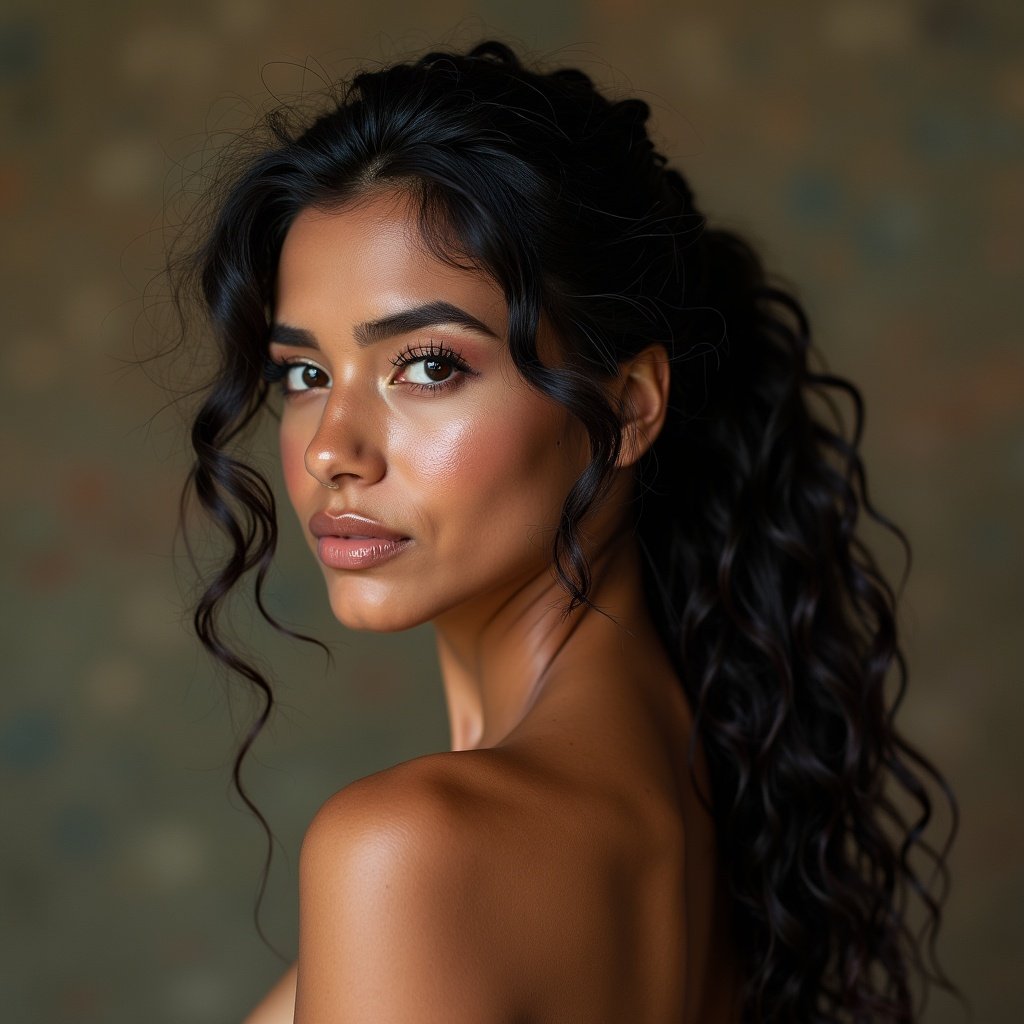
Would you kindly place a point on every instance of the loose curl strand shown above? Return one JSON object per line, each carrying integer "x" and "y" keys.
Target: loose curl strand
{"x": 780, "y": 624}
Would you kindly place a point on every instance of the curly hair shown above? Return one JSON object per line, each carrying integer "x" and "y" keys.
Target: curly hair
{"x": 780, "y": 624}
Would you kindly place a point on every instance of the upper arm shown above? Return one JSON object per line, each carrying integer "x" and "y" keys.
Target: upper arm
{"x": 389, "y": 929}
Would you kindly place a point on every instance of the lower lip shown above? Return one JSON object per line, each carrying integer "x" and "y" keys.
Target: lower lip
{"x": 358, "y": 552}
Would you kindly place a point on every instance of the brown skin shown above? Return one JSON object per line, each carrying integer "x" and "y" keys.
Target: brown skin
{"x": 556, "y": 864}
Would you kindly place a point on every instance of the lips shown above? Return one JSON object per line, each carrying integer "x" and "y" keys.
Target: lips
{"x": 348, "y": 540}
{"x": 351, "y": 526}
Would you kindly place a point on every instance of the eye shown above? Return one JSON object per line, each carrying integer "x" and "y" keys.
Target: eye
{"x": 304, "y": 377}
{"x": 296, "y": 376}
{"x": 430, "y": 368}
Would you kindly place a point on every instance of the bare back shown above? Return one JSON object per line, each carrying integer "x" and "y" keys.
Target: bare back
{"x": 606, "y": 891}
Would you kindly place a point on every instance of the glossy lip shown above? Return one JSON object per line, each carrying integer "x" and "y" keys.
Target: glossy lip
{"x": 351, "y": 525}
{"x": 348, "y": 540}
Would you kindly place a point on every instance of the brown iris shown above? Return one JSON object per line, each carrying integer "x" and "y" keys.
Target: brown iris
{"x": 312, "y": 376}
{"x": 437, "y": 369}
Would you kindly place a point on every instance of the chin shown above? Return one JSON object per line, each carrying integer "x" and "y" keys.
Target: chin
{"x": 361, "y": 605}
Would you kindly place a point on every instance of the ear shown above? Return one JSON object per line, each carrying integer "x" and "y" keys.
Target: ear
{"x": 642, "y": 385}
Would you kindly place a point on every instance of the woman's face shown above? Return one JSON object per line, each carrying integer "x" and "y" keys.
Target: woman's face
{"x": 427, "y": 475}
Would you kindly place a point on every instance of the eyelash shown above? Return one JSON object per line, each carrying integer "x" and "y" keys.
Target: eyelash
{"x": 276, "y": 371}
{"x": 418, "y": 353}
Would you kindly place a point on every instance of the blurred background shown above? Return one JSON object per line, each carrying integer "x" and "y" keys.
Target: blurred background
{"x": 872, "y": 149}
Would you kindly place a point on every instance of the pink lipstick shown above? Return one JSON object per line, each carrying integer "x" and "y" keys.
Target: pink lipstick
{"x": 348, "y": 540}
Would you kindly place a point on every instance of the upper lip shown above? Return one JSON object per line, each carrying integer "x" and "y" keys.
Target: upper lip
{"x": 350, "y": 524}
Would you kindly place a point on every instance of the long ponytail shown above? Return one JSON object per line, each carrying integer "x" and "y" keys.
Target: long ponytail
{"x": 784, "y": 632}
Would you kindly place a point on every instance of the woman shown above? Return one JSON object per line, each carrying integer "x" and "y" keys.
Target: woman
{"x": 529, "y": 396}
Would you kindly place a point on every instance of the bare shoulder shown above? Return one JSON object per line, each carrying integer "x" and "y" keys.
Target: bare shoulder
{"x": 414, "y": 816}
{"x": 393, "y": 892}
{"x": 428, "y": 835}
{"x": 483, "y": 886}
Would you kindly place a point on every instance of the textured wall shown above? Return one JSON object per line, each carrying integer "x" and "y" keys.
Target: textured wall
{"x": 873, "y": 148}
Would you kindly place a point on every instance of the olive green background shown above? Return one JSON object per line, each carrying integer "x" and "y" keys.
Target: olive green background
{"x": 873, "y": 150}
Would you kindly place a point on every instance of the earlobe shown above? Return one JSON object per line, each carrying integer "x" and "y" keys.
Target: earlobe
{"x": 644, "y": 384}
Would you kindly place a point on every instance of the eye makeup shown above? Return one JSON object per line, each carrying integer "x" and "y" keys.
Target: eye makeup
{"x": 435, "y": 359}
{"x": 284, "y": 372}
{"x": 438, "y": 367}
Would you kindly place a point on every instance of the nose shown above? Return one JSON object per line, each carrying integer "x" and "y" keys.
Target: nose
{"x": 346, "y": 443}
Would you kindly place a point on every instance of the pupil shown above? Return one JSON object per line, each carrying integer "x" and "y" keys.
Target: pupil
{"x": 437, "y": 369}
{"x": 309, "y": 376}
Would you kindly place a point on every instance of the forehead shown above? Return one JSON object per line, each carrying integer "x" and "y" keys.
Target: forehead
{"x": 368, "y": 260}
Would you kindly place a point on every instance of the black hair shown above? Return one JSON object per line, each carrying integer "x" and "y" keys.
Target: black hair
{"x": 781, "y": 626}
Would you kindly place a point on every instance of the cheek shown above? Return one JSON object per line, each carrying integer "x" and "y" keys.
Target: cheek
{"x": 506, "y": 470}
{"x": 431, "y": 456}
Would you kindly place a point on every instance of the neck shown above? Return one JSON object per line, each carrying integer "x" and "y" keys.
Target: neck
{"x": 501, "y": 655}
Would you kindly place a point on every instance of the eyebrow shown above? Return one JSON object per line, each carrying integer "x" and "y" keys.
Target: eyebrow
{"x": 429, "y": 314}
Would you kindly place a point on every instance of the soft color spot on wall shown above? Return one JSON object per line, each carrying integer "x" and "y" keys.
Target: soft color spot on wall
{"x": 79, "y": 832}
{"x": 29, "y": 739}
{"x": 813, "y": 197}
